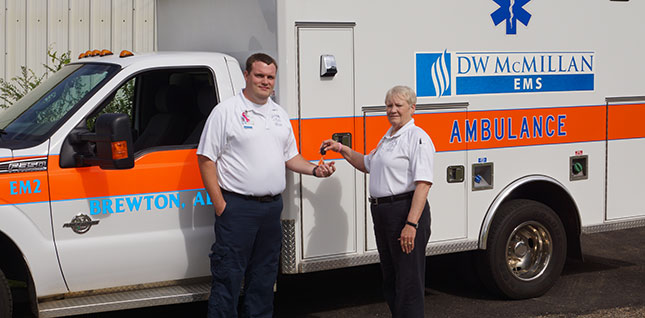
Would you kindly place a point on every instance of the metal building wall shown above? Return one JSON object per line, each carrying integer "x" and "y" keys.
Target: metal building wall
{"x": 29, "y": 27}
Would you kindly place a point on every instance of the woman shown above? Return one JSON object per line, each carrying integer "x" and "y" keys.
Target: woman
{"x": 401, "y": 174}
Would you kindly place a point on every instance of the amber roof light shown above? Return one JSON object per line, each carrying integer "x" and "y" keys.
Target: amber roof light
{"x": 126, "y": 53}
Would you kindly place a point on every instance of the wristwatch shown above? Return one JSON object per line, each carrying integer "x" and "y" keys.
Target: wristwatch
{"x": 414, "y": 225}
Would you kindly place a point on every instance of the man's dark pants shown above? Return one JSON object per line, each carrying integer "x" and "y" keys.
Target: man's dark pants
{"x": 403, "y": 274}
{"x": 248, "y": 238}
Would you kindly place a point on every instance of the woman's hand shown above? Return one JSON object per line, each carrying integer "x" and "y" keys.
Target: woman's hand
{"x": 407, "y": 238}
{"x": 331, "y": 144}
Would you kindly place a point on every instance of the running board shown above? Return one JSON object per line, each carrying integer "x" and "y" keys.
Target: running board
{"x": 125, "y": 300}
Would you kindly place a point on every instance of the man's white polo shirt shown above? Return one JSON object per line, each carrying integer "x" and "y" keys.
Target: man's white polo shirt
{"x": 250, "y": 144}
{"x": 400, "y": 160}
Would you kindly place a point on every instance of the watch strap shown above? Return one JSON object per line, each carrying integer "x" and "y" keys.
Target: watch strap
{"x": 414, "y": 225}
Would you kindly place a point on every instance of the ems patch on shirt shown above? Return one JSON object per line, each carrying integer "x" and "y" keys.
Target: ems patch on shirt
{"x": 247, "y": 123}
{"x": 390, "y": 145}
{"x": 276, "y": 120}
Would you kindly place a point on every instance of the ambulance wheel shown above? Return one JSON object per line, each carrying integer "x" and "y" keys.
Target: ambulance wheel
{"x": 5, "y": 297}
{"x": 525, "y": 252}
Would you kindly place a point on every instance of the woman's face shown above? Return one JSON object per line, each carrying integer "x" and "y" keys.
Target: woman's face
{"x": 399, "y": 112}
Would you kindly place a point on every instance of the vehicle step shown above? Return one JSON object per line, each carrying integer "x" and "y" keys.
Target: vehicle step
{"x": 125, "y": 300}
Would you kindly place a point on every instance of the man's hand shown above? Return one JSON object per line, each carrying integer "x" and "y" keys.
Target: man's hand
{"x": 325, "y": 169}
{"x": 220, "y": 207}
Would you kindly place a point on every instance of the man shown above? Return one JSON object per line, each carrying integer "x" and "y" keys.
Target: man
{"x": 246, "y": 144}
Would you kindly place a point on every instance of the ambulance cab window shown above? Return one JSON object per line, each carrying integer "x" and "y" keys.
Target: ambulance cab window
{"x": 120, "y": 102}
{"x": 167, "y": 107}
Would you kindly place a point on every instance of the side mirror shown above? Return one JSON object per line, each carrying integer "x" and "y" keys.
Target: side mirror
{"x": 113, "y": 139}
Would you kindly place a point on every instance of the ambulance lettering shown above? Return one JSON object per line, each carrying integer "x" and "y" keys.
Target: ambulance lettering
{"x": 146, "y": 202}
{"x": 24, "y": 187}
{"x": 505, "y": 128}
{"x": 504, "y": 72}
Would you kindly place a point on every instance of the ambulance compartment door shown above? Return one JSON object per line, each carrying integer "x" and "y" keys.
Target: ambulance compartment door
{"x": 326, "y": 104}
{"x": 447, "y": 196}
{"x": 625, "y": 153}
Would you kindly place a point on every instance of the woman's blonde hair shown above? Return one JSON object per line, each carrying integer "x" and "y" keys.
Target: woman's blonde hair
{"x": 405, "y": 92}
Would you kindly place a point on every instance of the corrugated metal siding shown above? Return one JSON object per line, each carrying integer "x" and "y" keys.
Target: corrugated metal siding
{"x": 58, "y": 24}
{"x": 3, "y": 23}
{"x": 79, "y": 22}
{"x": 29, "y": 28}
{"x": 144, "y": 26}
{"x": 16, "y": 33}
{"x": 36, "y": 34}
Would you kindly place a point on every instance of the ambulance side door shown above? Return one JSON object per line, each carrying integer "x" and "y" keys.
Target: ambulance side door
{"x": 150, "y": 223}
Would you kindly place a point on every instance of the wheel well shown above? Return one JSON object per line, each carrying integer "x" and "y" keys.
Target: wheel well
{"x": 14, "y": 267}
{"x": 559, "y": 200}
{"x": 12, "y": 262}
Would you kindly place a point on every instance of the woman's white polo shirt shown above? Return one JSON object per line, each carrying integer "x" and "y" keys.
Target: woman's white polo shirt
{"x": 400, "y": 160}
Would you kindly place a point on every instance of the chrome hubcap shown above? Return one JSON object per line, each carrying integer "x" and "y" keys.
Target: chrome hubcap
{"x": 528, "y": 250}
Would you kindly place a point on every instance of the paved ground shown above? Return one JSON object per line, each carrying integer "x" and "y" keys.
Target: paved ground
{"x": 610, "y": 283}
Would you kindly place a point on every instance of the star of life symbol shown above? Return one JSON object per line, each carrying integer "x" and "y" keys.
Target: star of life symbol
{"x": 511, "y": 11}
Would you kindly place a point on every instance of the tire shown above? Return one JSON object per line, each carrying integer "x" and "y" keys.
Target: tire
{"x": 5, "y": 297}
{"x": 525, "y": 251}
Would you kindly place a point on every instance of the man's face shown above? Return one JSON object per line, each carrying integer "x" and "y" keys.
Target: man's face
{"x": 259, "y": 82}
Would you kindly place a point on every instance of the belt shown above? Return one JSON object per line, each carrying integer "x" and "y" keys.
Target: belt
{"x": 392, "y": 198}
{"x": 264, "y": 198}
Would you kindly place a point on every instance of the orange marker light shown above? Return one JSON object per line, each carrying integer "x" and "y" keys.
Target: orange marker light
{"x": 126, "y": 53}
{"x": 80, "y": 56}
{"x": 119, "y": 150}
{"x": 96, "y": 53}
{"x": 106, "y": 52}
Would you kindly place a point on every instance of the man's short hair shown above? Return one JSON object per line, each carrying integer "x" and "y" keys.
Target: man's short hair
{"x": 404, "y": 92}
{"x": 261, "y": 57}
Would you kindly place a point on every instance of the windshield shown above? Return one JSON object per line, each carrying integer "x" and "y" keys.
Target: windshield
{"x": 34, "y": 116}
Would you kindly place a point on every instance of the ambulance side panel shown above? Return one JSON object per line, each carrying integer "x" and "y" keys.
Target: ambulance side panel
{"x": 539, "y": 130}
{"x": 540, "y": 105}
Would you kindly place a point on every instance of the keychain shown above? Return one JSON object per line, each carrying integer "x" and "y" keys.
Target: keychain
{"x": 322, "y": 155}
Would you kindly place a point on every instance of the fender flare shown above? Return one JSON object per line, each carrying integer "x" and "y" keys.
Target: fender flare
{"x": 506, "y": 193}
{"x": 37, "y": 249}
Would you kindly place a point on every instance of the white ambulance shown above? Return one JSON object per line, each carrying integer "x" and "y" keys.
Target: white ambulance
{"x": 534, "y": 108}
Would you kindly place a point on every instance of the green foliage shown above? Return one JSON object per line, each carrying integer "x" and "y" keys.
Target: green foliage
{"x": 60, "y": 105}
{"x": 121, "y": 103}
{"x": 15, "y": 88}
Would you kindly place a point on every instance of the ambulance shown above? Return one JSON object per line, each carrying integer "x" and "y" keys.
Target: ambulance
{"x": 534, "y": 108}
